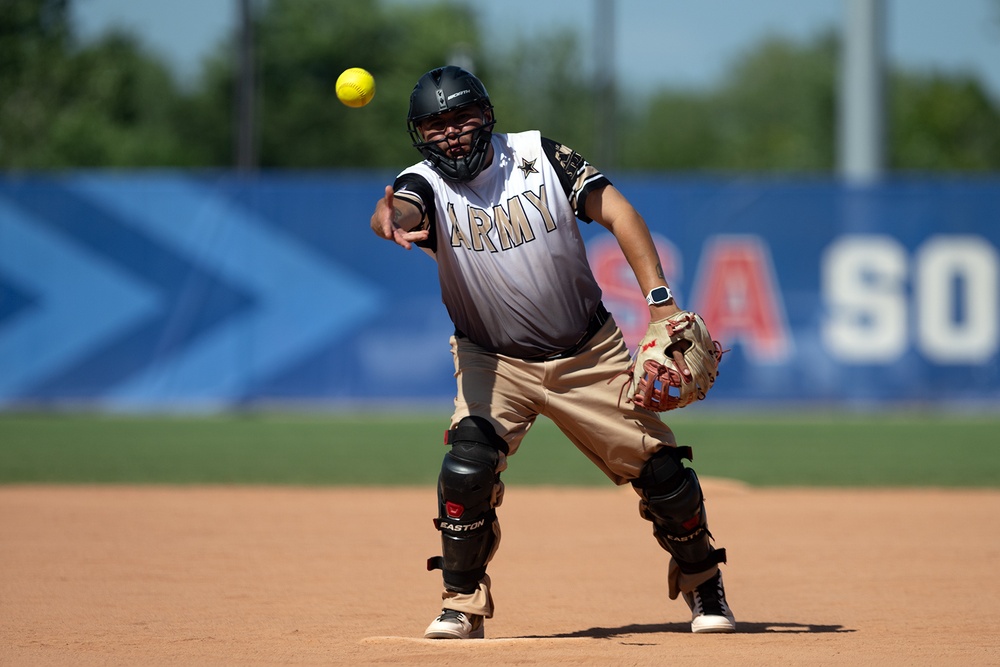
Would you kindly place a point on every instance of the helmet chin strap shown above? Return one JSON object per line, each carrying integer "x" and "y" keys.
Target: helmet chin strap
{"x": 465, "y": 168}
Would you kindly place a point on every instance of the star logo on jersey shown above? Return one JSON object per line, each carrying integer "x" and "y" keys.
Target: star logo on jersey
{"x": 528, "y": 167}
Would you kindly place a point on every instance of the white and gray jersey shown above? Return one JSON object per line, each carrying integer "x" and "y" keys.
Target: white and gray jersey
{"x": 512, "y": 264}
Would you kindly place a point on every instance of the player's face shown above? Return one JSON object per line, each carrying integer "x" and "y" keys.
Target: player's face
{"x": 452, "y": 130}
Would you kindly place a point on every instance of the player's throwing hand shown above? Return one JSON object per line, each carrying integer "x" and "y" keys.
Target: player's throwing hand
{"x": 386, "y": 222}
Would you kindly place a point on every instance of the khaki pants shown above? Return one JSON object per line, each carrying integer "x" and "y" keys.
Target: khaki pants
{"x": 583, "y": 395}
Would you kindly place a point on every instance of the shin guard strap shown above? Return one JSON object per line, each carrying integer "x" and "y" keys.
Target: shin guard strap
{"x": 460, "y": 582}
{"x": 715, "y": 557}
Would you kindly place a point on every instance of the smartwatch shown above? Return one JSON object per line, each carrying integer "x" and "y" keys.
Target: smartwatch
{"x": 659, "y": 296}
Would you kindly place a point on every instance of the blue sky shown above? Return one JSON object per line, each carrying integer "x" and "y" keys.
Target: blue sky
{"x": 675, "y": 42}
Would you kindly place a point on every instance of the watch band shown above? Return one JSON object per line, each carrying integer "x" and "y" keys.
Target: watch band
{"x": 659, "y": 296}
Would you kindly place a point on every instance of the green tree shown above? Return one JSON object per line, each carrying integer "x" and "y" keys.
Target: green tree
{"x": 34, "y": 35}
{"x": 775, "y": 111}
{"x": 303, "y": 45}
{"x": 120, "y": 109}
{"x": 111, "y": 104}
{"x": 301, "y": 48}
{"x": 777, "y": 108}
{"x": 941, "y": 123}
{"x": 537, "y": 84}
{"x": 674, "y": 131}
{"x": 106, "y": 105}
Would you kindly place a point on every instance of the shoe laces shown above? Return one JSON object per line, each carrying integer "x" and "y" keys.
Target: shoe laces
{"x": 453, "y": 616}
{"x": 710, "y": 598}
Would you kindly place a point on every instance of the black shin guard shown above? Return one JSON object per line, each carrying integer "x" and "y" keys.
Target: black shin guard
{"x": 468, "y": 490}
{"x": 671, "y": 498}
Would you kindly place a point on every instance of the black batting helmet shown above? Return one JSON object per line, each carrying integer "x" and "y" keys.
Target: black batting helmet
{"x": 444, "y": 89}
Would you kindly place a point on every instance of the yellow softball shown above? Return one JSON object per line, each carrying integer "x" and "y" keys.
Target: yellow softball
{"x": 355, "y": 87}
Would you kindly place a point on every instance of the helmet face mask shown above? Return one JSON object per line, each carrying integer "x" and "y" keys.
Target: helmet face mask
{"x": 444, "y": 90}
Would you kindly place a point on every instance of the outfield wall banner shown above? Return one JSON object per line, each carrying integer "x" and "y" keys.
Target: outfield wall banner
{"x": 212, "y": 291}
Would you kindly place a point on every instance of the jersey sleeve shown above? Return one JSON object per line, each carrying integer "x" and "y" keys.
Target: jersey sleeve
{"x": 577, "y": 176}
{"x": 414, "y": 189}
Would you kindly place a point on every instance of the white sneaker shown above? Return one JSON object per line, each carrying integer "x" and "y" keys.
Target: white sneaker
{"x": 453, "y": 624}
{"x": 709, "y": 610}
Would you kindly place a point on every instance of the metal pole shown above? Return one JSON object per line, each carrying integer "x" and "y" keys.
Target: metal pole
{"x": 246, "y": 158}
{"x": 861, "y": 150}
{"x": 606, "y": 136}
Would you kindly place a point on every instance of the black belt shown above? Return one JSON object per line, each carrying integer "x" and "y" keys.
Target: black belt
{"x": 596, "y": 322}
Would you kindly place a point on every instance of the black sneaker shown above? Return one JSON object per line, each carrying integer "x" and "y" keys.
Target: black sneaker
{"x": 453, "y": 624}
{"x": 709, "y": 611}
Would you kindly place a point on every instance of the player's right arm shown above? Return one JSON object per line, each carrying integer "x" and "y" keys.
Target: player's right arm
{"x": 396, "y": 220}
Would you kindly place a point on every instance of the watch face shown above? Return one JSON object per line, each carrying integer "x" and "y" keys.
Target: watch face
{"x": 659, "y": 295}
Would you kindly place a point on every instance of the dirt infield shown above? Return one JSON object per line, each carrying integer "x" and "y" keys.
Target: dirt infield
{"x": 268, "y": 576}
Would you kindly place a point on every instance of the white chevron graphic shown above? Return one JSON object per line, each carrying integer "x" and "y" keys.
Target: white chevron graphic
{"x": 284, "y": 325}
{"x": 72, "y": 284}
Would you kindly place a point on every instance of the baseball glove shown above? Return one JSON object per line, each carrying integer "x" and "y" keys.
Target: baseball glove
{"x": 655, "y": 373}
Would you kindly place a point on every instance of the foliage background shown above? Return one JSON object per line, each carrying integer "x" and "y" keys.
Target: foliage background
{"x": 111, "y": 104}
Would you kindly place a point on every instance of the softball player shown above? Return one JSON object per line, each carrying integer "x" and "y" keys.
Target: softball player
{"x": 498, "y": 213}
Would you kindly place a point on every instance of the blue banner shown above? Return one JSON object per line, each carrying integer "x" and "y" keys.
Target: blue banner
{"x": 173, "y": 291}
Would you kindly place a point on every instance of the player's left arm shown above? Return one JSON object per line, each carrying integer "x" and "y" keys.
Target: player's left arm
{"x": 612, "y": 210}
{"x": 609, "y": 207}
